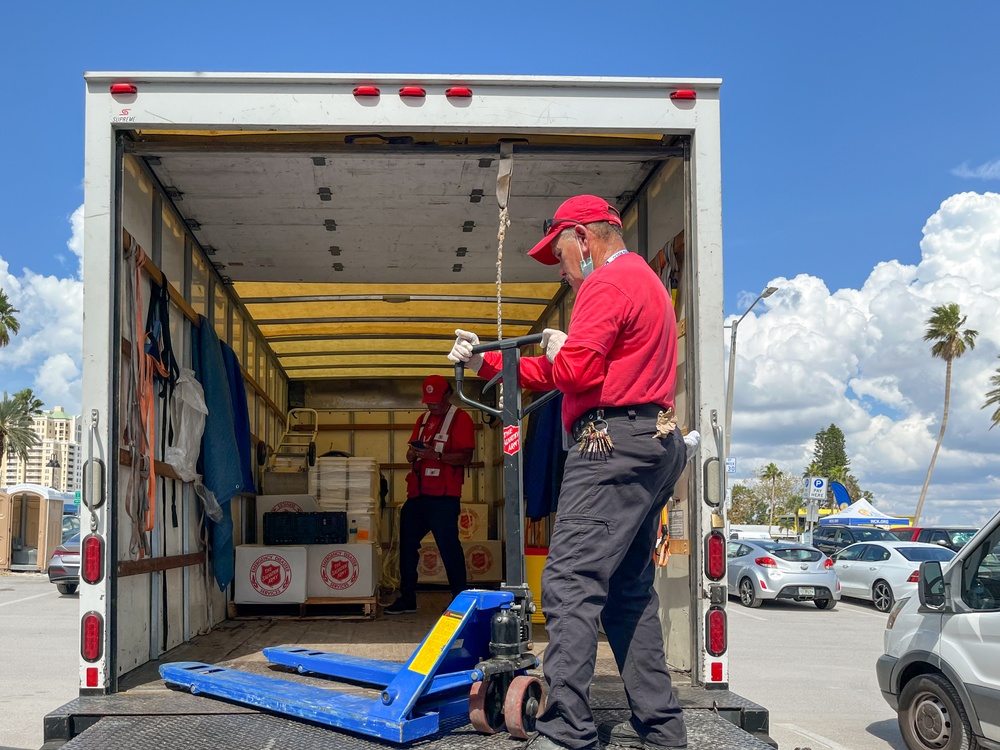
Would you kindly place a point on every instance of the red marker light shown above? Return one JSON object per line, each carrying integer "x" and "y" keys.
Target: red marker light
{"x": 124, "y": 88}
{"x": 716, "y": 671}
{"x": 684, "y": 94}
{"x": 92, "y": 636}
{"x": 415, "y": 92}
{"x": 715, "y": 556}
{"x": 91, "y": 676}
{"x": 715, "y": 642}
{"x": 366, "y": 91}
{"x": 92, "y": 559}
{"x": 458, "y": 92}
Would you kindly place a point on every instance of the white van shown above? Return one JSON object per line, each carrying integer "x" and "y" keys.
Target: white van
{"x": 941, "y": 666}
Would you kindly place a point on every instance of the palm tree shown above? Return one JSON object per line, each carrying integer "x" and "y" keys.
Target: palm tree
{"x": 944, "y": 328}
{"x": 16, "y": 437}
{"x": 29, "y": 403}
{"x": 773, "y": 473}
{"x": 8, "y": 323}
{"x": 993, "y": 397}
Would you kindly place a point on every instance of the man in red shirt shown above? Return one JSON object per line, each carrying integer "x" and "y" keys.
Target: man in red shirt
{"x": 441, "y": 446}
{"x": 616, "y": 368}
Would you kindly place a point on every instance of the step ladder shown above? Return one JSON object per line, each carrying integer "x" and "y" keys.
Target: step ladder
{"x": 296, "y": 450}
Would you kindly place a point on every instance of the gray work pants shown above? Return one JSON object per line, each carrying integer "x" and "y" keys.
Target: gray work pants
{"x": 600, "y": 565}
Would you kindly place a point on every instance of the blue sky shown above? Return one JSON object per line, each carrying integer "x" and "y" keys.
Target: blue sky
{"x": 845, "y": 128}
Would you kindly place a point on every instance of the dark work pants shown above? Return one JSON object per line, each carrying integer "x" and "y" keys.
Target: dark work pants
{"x": 438, "y": 515}
{"x": 600, "y": 566}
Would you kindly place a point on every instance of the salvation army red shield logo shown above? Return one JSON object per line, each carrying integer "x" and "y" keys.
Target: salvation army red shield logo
{"x": 478, "y": 559}
{"x": 287, "y": 506}
{"x": 511, "y": 439}
{"x": 270, "y": 575}
{"x": 339, "y": 570}
{"x": 429, "y": 563}
{"x": 468, "y": 522}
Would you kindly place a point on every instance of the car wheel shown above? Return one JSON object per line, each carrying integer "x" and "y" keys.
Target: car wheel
{"x": 66, "y": 588}
{"x": 748, "y": 597}
{"x": 932, "y": 717}
{"x": 826, "y": 603}
{"x": 882, "y": 596}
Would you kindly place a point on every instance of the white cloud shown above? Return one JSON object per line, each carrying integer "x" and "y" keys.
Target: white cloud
{"x": 810, "y": 357}
{"x": 46, "y": 353}
{"x": 988, "y": 171}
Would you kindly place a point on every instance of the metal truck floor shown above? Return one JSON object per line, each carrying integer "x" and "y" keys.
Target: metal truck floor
{"x": 146, "y": 714}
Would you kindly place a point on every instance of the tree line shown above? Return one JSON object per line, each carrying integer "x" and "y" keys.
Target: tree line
{"x": 772, "y": 493}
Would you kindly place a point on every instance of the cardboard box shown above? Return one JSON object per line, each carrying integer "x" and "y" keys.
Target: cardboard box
{"x": 473, "y": 524}
{"x": 270, "y": 575}
{"x": 343, "y": 570}
{"x": 483, "y": 562}
{"x": 282, "y": 504}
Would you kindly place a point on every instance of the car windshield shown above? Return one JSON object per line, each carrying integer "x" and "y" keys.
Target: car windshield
{"x": 919, "y": 554}
{"x": 961, "y": 537}
{"x": 872, "y": 535}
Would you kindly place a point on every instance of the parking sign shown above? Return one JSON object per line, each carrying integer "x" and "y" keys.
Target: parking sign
{"x": 730, "y": 465}
{"x": 817, "y": 488}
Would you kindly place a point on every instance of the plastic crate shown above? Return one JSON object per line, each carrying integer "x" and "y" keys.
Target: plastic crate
{"x": 323, "y": 527}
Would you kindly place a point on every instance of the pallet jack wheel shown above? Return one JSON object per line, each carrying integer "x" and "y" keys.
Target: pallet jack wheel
{"x": 486, "y": 704}
{"x": 312, "y": 453}
{"x": 524, "y": 703}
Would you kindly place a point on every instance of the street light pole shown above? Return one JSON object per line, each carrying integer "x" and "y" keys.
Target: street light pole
{"x": 732, "y": 366}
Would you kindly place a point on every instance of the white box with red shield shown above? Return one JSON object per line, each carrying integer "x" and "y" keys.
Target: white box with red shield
{"x": 343, "y": 570}
{"x": 270, "y": 575}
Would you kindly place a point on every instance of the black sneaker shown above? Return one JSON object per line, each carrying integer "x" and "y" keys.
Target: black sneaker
{"x": 401, "y": 607}
{"x": 625, "y": 735}
{"x": 620, "y": 735}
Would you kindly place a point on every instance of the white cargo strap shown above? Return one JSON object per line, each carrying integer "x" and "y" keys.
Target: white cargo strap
{"x": 439, "y": 440}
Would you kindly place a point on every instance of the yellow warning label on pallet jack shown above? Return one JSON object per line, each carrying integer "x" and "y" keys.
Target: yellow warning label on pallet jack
{"x": 436, "y": 642}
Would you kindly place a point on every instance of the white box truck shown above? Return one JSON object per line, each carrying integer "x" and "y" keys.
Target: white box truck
{"x": 334, "y": 230}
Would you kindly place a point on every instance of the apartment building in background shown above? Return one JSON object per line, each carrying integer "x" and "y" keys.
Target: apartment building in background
{"x": 56, "y": 460}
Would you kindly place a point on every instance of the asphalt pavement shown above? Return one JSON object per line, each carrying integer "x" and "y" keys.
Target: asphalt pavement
{"x": 814, "y": 670}
{"x": 39, "y": 656}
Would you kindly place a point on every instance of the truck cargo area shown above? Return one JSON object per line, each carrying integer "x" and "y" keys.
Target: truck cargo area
{"x": 146, "y": 713}
{"x": 333, "y": 238}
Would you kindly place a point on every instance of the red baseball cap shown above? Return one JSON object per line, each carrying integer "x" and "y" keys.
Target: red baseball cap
{"x": 582, "y": 209}
{"x": 435, "y": 387}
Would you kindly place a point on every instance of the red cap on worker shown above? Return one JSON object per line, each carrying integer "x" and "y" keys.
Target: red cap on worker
{"x": 582, "y": 209}
{"x": 435, "y": 387}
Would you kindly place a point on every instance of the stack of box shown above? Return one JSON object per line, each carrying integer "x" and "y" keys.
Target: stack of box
{"x": 483, "y": 556}
{"x": 270, "y": 575}
{"x": 350, "y": 485}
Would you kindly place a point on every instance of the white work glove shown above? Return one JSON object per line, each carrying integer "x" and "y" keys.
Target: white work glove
{"x": 552, "y": 341}
{"x": 462, "y": 350}
{"x": 692, "y": 440}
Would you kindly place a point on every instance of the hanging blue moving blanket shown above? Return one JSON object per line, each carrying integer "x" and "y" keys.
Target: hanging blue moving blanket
{"x": 544, "y": 460}
{"x": 241, "y": 415}
{"x": 220, "y": 454}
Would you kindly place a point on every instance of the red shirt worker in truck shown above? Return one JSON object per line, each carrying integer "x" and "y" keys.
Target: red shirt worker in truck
{"x": 441, "y": 446}
{"x": 616, "y": 368}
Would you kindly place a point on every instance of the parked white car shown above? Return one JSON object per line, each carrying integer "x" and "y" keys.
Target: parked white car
{"x": 940, "y": 670}
{"x": 884, "y": 572}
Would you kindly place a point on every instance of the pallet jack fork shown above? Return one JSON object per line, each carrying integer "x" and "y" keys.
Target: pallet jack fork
{"x": 473, "y": 662}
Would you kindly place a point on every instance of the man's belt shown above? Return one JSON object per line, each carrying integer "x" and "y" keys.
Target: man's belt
{"x": 651, "y": 411}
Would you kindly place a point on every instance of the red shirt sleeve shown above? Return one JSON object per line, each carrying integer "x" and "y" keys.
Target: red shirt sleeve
{"x": 536, "y": 372}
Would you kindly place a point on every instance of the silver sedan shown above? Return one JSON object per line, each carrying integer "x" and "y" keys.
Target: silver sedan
{"x": 760, "y": 570}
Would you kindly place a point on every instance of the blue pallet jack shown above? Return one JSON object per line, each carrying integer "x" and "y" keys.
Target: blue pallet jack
{"x": 473, "y": 662}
